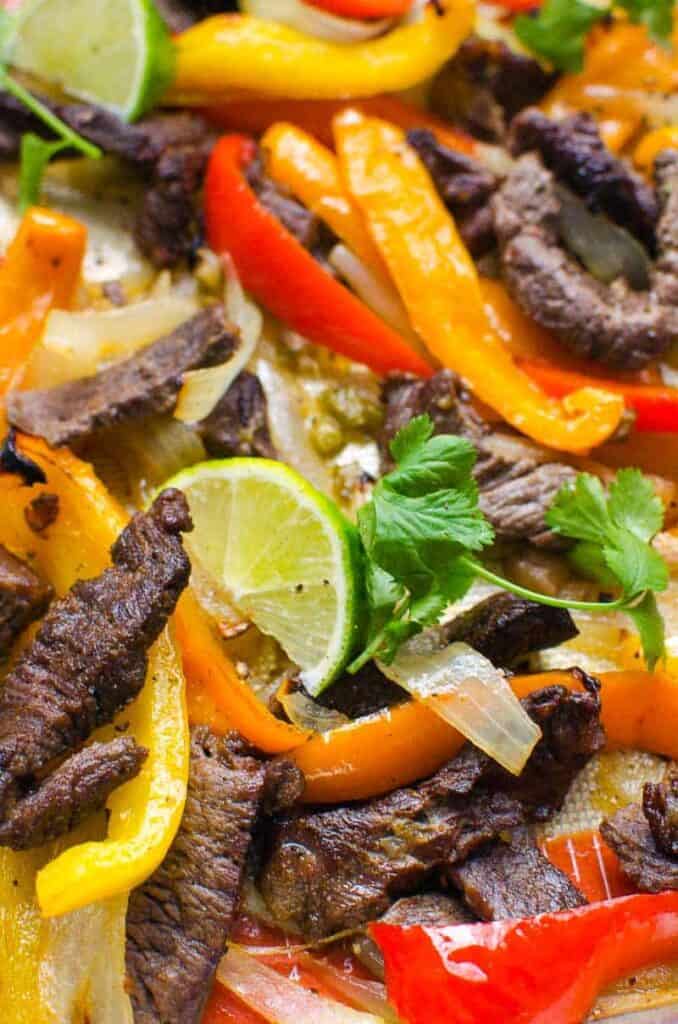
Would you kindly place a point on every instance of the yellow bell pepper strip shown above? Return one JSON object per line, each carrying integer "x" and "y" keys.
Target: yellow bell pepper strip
{"x": 145, "y": 813}
{"x": 234, "y": 52}
{"x": 254, "y": 116}
{"x": 208, "y": 670}
{"x": 40, "y": 271}
{"x": 376, "y": 754}
{"x": 439, "y": 286}
{"x": 651, "y": 145}
{"x": 311, "y": 172}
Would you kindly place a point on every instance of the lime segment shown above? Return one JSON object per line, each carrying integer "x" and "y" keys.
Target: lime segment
{"x": 118, "y": 55}
{"x": 284, "y": 553}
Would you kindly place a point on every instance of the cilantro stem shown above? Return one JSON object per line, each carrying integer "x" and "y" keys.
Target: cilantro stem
{"x": 532, "y": 595}
{"x": 47, "y": 117}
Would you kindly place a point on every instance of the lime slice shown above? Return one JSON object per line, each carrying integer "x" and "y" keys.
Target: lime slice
{"x": 115, "y": 54}
{"x": 284, "y": 553}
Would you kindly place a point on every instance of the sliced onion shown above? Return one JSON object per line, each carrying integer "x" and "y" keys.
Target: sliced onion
{"x": 307, "y": 714}
{"x": 467, "y": 691}
{"x": 202, "y": 389}
{"x": 363, "y": 993}
{"x": 77, "y": 345}
{"x": 278, "y": 999}
{"x": 374, "y": 290}
{"x": 315, "y": 22}
{"x": 286, "y": 421}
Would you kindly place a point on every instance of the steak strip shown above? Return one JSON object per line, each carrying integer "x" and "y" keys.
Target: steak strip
{"x": 23, "y": 598}
{"x": 147, "y": 383}
{"x": 609, "y": 323}
{"x": 89, "y": 658}
{"x": 178, "y": 921}
{"x": 238, "y": 424}
{"x": 337, "y": 868}
{"x": 646, "y": 838}
{"x": 517, "y": 480}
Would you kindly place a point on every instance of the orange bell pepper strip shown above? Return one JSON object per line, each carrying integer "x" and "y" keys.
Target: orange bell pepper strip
{"x": 656, "y": 407}
{"x": 146, "y": 812}
{"x": 363, "y": 9}
{"x": 438, "y": 284}
{"x": 285, "y": 278}
{"x": 594, "y": 868}
{"x": 311, "y": 172}
{"x": 255, "y": 115}
{"x": 208, "y": 670}
{"x": 651, "y": 145}
{"x": 377, "y": 754}
{"x": 40, "y": 271}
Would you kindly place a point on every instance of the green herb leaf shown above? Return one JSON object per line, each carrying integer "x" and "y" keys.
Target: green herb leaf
{"x": 650, "y": 625}
{"x": 634, "y": 506}
{"x": 635, "y": 564}
{"x": 558, "y": 32}
{"x": 657, "y": 15}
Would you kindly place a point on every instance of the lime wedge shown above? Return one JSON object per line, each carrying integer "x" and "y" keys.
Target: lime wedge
{"x": 117, "y": 54}
{"x": 284, "y": 553}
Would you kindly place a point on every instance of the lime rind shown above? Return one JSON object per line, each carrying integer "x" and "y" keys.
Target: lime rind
{"x": 286, "y": 555}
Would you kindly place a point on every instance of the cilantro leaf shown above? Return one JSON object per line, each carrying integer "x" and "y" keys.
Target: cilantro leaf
{"x": 411, "y": 438}
{"x": 657, "y": 15}
{"x": 580, "y": 510}
{"x": 634, "y": 506}
{"x": 634, "y": 563}
{"x": 558, "y": 32}
{"x": 650, "y": 625}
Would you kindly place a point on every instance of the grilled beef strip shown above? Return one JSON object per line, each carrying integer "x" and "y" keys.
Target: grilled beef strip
{"x": 609, "y": 323}
{"x": 181, "y": 14}
{"x": 514, "y": 879}
{"x": 238, "y": 424}
{"x": 24, "y": 597}
{"x": 577, "y": 156}
{"x": 178, "y": 921}
{"x": 147, "y": 383}
{"x": 517, "y": 481}
{"x": 485, "y": 84}
{"x": 464, "y": 185}
{"x": 503, "y": 627}
{"x": 646, "y": 838}
{"x": 336, "y": 868}
{"x": 88, "y": 661}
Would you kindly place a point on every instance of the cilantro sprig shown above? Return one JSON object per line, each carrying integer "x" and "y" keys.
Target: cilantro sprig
{"x": 557, "y": 33}
{"x": 36, "y": 152}
{"x": 423, "y": 528}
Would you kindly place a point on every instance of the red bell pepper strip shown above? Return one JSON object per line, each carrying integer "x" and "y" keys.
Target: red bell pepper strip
{"x": 363, "y": 9}
{"x": 656, "y": 407}
{"x": 283, "y": 276}
{"x": 540, "y": 970}
{"x": 590, "y": 863}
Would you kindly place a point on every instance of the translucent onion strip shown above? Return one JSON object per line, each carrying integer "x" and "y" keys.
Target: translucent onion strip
{"x": 278, "y": 999}
{"x": 308, "y": 714}
{"x": 314, "y": 22}
{"x": 202, "y": 389}
{"x": 467, "y": 691}
{"x": 376, "y": 292}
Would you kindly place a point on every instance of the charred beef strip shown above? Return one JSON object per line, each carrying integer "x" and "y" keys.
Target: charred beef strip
{"x": 147, "y": 383}
{"x": 181, "y": 14}
{"x": 238, "y": 424}
{"x": 89, "y": 659}
{"x": 178, "y": 921}
{"x": 517, "y": 481}
{"x": 74, "y": 790}
{"x": 646, "y": 838}
{"x": 503, "y": 627}
{"x": 514, "y": 879}
{"x": 610, "y": 323}
{"x": 23, "y": 598}
{"x": 336, "y": 868}
{"x": 485, "y": 85}
{"x": 573, "y": 150}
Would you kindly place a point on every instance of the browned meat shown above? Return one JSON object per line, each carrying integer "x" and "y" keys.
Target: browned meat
{"x": 147, "y": 383}
{"x": 76, "y": 789}
{"x": 181, "y": 14}
{"x": 336, "y": 868}
{"x": 660, "y": 806}
{"x": 610, "y": 323}
{"x": 238, "y": 424}
{"x": 42, "y": 512}
{"x": 15, "y": 119}
{"x": 464, "y": 185}
{"x": 178, "y": 921}
{"x": 23, "y": 598}
{"x": 89, "y": 657}
{"x": 517, "y": 482}
{"x": 574, "y": 151}
{"x": 485, "y": 84}
{"x": 514, "y": 879}
{"x": 629, "y": 835}
{"x": 168, "y": 226}
{"x": 364, "y": 693}
{"x": 428, "y": 910}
